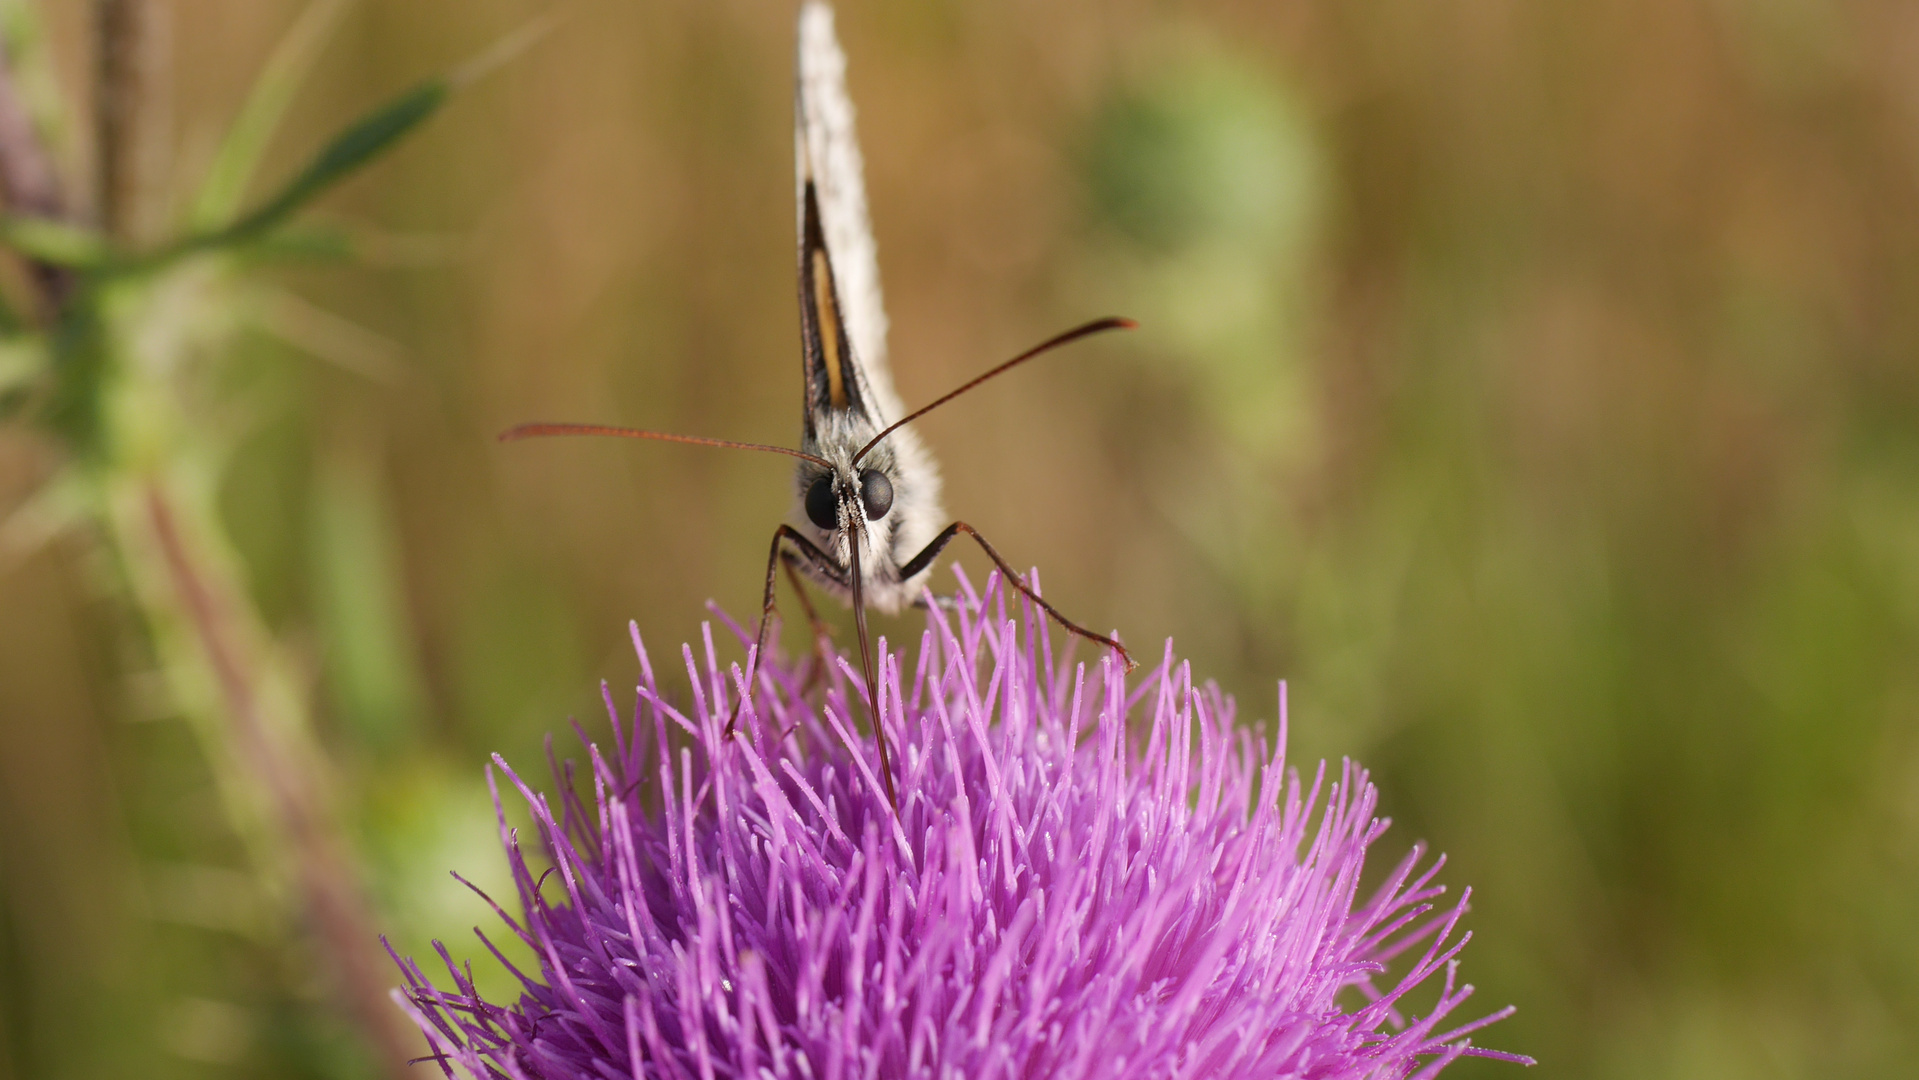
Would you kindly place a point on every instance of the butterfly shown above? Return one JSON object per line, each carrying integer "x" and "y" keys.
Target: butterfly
{"x": 868, "y": 521}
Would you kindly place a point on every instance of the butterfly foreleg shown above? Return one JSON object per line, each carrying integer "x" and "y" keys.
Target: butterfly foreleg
{"x": 918, "y": 564}
{"x": 822, "y": 633}
{"x": 805, "y": 555}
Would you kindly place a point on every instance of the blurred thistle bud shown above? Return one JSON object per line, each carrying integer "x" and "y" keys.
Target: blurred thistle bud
{"x": 1058, "y": 895}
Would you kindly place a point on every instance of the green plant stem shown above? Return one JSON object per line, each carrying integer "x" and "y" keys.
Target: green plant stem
{"x": 225, "y": 668}
{"x": 121, "y": 367}
{"x": 200, "y": 603}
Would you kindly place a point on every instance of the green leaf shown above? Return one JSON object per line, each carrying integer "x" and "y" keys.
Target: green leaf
{"x": 351, "y": 150}
{"x": 306, "y": 244}
{"x": 49, "y": 241}
{"x": 246, "y": 141}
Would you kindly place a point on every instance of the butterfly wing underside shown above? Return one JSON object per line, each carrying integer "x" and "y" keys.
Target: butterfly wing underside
{"x": 849, "y": 386}
{"x": 839, "y": 265}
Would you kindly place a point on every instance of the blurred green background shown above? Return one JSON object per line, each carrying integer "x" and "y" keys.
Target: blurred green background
{"x": 1535, "y": 386}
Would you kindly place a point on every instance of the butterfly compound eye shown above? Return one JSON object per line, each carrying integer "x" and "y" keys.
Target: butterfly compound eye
{"x": 821, "y": 508}
{"x": 876, "y": 492}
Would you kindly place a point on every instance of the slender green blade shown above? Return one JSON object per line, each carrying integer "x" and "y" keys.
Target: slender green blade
{"x": 246, "y": 141}
{"x": 351, "y": 150}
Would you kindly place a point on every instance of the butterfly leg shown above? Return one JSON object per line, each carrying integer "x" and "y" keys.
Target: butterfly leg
{"x": 822, "y": 634}
{"x": 932, "y": 550}
{"x": 816, "y": 563}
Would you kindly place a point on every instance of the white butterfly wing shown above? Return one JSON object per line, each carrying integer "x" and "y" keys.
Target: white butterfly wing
{"x": 827, "y": 150}
{"x": 840, "y": 290}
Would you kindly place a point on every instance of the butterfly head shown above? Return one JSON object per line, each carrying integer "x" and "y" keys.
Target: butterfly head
{"x": 833, "y": 499}
{"x": 858, "y": 492}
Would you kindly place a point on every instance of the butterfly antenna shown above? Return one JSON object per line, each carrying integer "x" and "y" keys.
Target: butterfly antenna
{"x": 1070, "y": 336}
{"x": 540, "y": 430}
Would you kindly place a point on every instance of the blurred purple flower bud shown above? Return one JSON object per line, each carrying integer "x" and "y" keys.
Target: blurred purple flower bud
{"x": 1061, "y": 894}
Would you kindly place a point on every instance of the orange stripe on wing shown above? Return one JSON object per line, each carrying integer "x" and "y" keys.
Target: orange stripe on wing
{"x": 832, "y": 348}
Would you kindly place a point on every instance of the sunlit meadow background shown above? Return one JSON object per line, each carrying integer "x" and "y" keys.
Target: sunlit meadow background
{"x": 1534, "y": 386}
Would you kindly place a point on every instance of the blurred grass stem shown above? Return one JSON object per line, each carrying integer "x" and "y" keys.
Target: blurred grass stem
{"x": 208, "y": 605}
{"x": 147, "y": 462}
{"x": 267, "y": 736}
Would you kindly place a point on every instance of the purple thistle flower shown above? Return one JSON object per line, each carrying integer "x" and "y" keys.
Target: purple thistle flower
{"x": 1061, "y": 894}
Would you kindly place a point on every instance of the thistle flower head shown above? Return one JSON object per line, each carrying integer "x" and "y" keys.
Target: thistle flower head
{"x": 1083, "y": 879}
